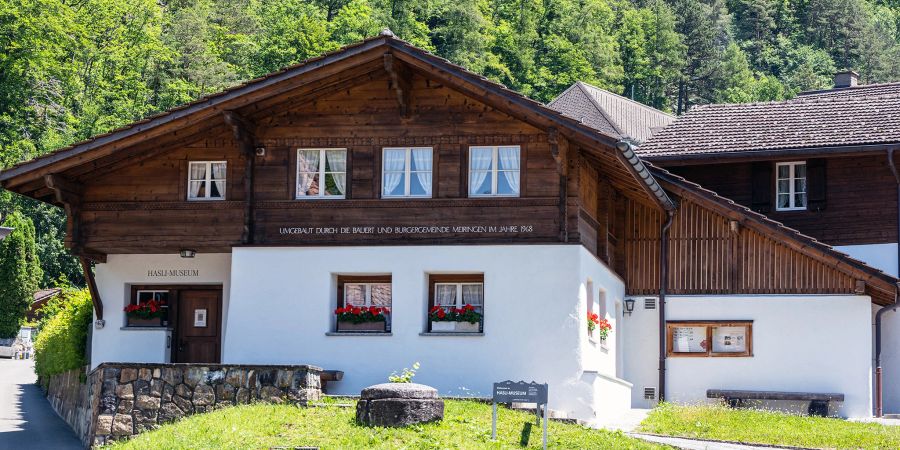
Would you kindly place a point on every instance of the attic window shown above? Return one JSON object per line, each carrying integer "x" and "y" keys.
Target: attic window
{"x": 790, "y": 186}
{"x": 206, "y": 180}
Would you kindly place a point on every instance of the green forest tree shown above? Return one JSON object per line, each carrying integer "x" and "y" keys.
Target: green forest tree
{"x": 73, "y": 69}
{"x": 20, "y": 273}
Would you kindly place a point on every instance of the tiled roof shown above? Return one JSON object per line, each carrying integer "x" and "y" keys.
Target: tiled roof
{"x": 610, "y": 113}
{"x": 44, "y": 294}
{"x": 844, "y": 117}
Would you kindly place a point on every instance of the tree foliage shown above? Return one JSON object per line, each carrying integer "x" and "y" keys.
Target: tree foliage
{"x": 62, "y": 333}
{"x": 20, "y": 273}
{"x": 72, "y": 69}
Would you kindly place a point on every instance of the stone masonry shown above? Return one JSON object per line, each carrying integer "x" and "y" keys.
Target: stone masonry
{"x": 127, "y": 399}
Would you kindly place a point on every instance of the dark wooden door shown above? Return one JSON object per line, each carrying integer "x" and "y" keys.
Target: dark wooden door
{"x": 198, "y": 333}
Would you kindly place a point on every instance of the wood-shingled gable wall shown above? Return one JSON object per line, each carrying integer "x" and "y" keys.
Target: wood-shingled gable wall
{"x": 710, "y": 253}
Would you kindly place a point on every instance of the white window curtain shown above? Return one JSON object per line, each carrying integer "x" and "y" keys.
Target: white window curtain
{"x": 198, "y": 180}
{"x": 445, "y": 295}
{"x": 394, "y": 166}
{"x": 218, "y": 180}
{"x": 422, "y": 161}
{"x": 479, "y": 165}
{"x": 473, "y": 294}
{"x": 337, "y": 168}
{"x": 509, "y": 164}
{"x": 307, "y": 171}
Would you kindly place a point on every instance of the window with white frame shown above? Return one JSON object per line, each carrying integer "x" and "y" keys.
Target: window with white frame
{"x": 790, "y": 186}
{"x": 494, "y": 171}
{"x": 366, "y": 292}
{"x": 456, "y": 294}
{"x": 206, "y": 180}
{"x": 321, "y": 173}
{"x": 406, "y": 172}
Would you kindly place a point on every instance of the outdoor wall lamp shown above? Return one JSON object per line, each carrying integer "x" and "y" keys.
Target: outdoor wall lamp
{"x": 187, "y": 253}
{"x": 629, "y": 306}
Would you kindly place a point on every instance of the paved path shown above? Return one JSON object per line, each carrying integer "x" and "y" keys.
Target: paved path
{"x": 694, "y": 444}
{"x": 26, "y": 419}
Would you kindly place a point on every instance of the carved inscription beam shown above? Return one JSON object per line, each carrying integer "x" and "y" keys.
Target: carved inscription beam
{"x": 401, "y": 82}
{"x": 245, "y": 134}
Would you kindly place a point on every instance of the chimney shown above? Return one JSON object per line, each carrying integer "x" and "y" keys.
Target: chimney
{"x": 845, "y": 79}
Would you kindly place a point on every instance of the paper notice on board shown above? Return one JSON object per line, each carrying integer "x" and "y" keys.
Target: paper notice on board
{"x": 689, "y": 340}
{"x": 729, "y": 339}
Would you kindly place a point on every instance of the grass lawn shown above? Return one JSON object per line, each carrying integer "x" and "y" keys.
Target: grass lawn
{"x": 466, "y": 425}
{"x": 767, "y": 427}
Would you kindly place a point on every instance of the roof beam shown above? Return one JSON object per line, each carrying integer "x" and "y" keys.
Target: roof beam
{"x": 245, "y": 134}
{"x": 401, "y": 82}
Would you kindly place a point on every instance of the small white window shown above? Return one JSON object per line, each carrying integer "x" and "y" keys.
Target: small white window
{"x": 321, "y": 173}
{"x": 494, "y": 171}
{"x": 206, "y": 180}
{"x": 367, "y": 294}
{"x": 790, "y": 186}
{"x": 406, "y": 172}
{"x": 457, "y": 295}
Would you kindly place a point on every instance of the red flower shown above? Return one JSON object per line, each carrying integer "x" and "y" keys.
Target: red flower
{"x": 441, "y": 314}
{"x": 468, "y": 308}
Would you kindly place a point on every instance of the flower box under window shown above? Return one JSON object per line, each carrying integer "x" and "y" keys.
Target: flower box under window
{"x": 364, "y": 304}
{"x": 456, "y": 303}
{"x": 148, "y": 307}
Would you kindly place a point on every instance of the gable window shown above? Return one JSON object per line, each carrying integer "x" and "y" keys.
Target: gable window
{"x": 790, "y": 186}
{"x": 456, "y": 303}
{"x": 406, "y": 172}
{"x": 206, "y": 180}
{"x": 361, "y": 294}
{"x": 321, "y": 173}
{"x": 494, "y": 171}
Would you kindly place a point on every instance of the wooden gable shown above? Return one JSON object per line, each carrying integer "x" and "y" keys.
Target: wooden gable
{"x": 717, "y": 247}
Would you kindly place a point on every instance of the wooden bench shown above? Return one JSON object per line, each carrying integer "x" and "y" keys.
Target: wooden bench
{"x": 818, "y": 402}
{"x": 330, "y": 375}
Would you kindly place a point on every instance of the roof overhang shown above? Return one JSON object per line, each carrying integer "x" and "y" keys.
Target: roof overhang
{"x": 4, "y": 232}
{"x": 494, "y": 94}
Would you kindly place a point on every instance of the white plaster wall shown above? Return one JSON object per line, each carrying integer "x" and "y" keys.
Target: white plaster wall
{"x": 282, "y": 302}
{"x": 884, "y": 257}
{"x": 800, "y": 343}
{"x": 114, "y": 279}
{"x": 890, "y": 361}
{"x": 879, "y": 256}
{"x": 641, "y": 351}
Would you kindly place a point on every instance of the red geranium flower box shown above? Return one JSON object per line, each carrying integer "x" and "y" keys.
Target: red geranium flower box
{"x": 144, "y": 314}
{"x": 358, "y": 318}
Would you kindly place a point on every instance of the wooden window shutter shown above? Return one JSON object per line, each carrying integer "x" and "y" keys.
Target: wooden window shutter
{"x": 815, "y": 184}
{"x": 761, "y": 200}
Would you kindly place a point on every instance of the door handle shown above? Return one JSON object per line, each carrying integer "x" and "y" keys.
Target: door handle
{"x": 181, "y": 345}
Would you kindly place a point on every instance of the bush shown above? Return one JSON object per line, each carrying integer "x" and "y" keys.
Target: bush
{"x": 20, "y": 273}
{"x": 62, "y": 336}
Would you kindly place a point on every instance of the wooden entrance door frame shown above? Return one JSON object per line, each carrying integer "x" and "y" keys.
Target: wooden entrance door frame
{"x": 174, "y": 297}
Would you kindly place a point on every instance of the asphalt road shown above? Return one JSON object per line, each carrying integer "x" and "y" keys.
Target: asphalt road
{"x": 26, "y": 419}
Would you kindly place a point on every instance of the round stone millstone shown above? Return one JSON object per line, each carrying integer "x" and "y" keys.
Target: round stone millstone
{"x": 399, "y": 405}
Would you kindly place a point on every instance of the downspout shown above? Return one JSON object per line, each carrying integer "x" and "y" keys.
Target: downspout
{"x": 879, "y": 405}
{"x": 663, "y": 286}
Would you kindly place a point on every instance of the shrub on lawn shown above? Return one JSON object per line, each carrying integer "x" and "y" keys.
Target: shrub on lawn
{"x": 62, "y": 336}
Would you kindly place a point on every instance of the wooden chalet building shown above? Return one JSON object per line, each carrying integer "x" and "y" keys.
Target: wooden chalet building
{"x": 383, "y": 176}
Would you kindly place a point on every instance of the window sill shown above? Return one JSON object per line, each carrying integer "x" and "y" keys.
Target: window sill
{"x": 359, "y": 333}
{"x": 451, "y": 333}
{"x": 145, "y": 328}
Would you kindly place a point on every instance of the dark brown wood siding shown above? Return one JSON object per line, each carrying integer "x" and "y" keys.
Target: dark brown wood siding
{"x": 709, "y": 255}
{"x": 860, "y": 198}
{"x": 141, "y": 207}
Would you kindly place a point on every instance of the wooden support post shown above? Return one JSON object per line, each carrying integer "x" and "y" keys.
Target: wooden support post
{"x": 559, "y": 148}
{"x": 245, "y": 134}
{"x": 401, "y": 82}
{"x": 92, "y": 287}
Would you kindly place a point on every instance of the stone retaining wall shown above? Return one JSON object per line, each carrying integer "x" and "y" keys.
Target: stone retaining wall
{"x": 69, "y": 394}
{"x": 125, "y": 399}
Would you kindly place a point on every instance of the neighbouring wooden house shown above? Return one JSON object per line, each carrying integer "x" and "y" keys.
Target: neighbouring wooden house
{"x": 823, "y": 163}
{"x": 39, "y": 300}
{"x": 381, "y": 176}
